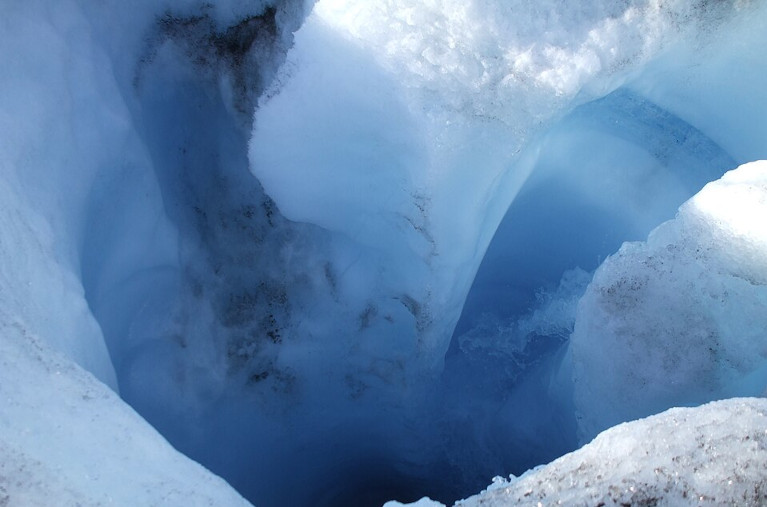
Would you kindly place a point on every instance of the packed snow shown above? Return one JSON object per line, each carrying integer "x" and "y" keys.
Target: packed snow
{"x": 362, "y": 243}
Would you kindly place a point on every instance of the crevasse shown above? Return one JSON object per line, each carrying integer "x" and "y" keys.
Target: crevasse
{"x": 348, "y": 242}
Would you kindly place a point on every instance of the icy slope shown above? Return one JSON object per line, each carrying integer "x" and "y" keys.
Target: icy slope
{"x": 67, "y": 439}
{"x": 679, "y": 319}
{"x": 715, "y": 454}
{"x": 710, "y": 455}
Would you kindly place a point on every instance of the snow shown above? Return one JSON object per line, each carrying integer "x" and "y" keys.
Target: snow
{"x": 423, "y": 502}
{"x": 66, "y": 436}
{"x": 709, "y": 455}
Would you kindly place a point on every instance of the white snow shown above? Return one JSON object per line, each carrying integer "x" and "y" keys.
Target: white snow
{"x": 709, "y": 455}
{"x": 423, "y": 502}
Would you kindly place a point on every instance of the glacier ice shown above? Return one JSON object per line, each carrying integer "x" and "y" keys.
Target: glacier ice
{"x": 385, "y": 309}
{"x": 709, "y": 455}
{"x": 67, "y": 438}
{"x": 679, "y": 319}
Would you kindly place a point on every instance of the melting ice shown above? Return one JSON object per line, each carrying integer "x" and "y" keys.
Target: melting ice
{"x": 391, "y": 249}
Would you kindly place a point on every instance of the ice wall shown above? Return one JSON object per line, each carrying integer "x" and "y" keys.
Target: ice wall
{"x": 679, "y": 319}
{"x": 477, "y": 113}
{"x": 301, "y": 329}
{"x": 635, "y": 164}
{"x": 67, "y": 438}
{"x": 459, "y": 94}
{"x": 95, "y": 256}
{"x": 82, "y": 201}
{"x": 86, "y": 247}
{"x": 462, "y": 97}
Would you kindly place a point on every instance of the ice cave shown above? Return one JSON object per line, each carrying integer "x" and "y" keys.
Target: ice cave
{"x": 354, "y": 253}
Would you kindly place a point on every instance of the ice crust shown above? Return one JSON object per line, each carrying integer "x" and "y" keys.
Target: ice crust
{"x": 679, "y": 319}
{"x": 715, "y": 454}
{"x": 709, "y": 455}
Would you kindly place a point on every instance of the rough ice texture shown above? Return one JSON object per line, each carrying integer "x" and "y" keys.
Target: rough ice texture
{"x": 66, "y": 438}
{"x": 679, "y": 319}
{"x": 135, "y": 241}
{"x": 407, "y": 128}
{"x": 715, "y": 454}
{"x": 423, "y": 502}
{"x": 86, "y": 247}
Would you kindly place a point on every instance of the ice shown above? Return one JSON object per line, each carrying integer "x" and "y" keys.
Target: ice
{"x": 66, "y": 436}
{"x": 679, "y": 319}
{"x": 91, "y": 270}
{"x": 353, "y": 260}
{"x": 710, "y": 455}
{"x": 461, "y": 97}
{"x": 423, "y": 502}
{"x": 631, "y": 175}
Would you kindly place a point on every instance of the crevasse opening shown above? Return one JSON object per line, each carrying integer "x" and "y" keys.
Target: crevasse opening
{"x": 274, "y": 348}
{"x": 351, "y": 252}
{"x": 607, "y": 173}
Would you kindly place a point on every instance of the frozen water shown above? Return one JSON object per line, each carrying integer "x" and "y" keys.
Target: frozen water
{"x": 66, "y": 437}
{"x": 710, "y": 455}
{"x": 389, "y": 315}
{"x": 679, "y": 319}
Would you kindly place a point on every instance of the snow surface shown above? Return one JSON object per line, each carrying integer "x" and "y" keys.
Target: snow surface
{"x": 710, "y": 455}
{"x": 715, "y": 454}
{"x": 66, "y": 438}
{"x": 306, "y": 328}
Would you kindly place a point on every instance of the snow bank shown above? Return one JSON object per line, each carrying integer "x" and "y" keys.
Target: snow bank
{"x": 711, "y": 455}
{"x": 715, "y": 454}
{"x": 679, "y": 319}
